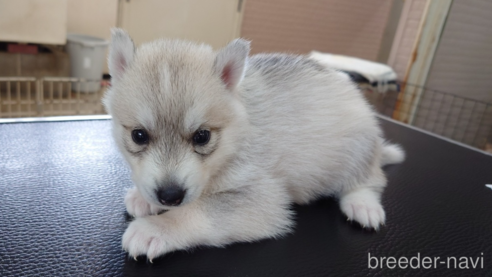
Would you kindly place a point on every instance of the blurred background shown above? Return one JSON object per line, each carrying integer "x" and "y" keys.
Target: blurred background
{"x": 421, "y": 62}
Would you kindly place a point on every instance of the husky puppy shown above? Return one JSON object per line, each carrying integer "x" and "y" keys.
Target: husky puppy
{"x": 225, "y": 143}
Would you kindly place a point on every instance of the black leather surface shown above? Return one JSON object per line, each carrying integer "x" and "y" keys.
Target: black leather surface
{"x": 62, "y": 213}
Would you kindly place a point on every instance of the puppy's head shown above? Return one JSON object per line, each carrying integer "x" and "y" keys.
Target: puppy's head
{"x": 177, "y": 118}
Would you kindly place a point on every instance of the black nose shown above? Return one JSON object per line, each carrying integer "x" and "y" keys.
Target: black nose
{"x": 170, "y": 195}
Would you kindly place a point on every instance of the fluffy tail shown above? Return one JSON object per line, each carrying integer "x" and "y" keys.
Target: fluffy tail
{"x": 392, "y": 154}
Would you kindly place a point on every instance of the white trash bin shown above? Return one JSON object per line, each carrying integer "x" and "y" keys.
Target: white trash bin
{"x": 87, "y": 56}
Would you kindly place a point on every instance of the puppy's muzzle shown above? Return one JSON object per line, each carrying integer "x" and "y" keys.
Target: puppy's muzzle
{"x": 170, "y": 195}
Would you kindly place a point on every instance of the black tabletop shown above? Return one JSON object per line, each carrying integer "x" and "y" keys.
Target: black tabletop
{"x": 62, "y": 214}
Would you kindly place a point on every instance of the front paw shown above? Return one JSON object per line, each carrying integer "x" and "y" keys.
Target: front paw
{"x": 137, "y": 206}
{"x": 144, "y": 237}
{"x": 364, "y": 207}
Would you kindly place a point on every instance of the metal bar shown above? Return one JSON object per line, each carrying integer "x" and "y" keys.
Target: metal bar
{"x": 18, "y": 97}
{"x": 438, "y": 113}
{"x": 429, "y": 112}
{"x": 61, "y": 79}
{"x": 457, "y": 120}
{"x": 51, "y": 97}
{"x": 60, "y": 95}
{"x": 37, "y": 97}
{"x": 9, "y": 108}
{"x": 414, "y": 105}
{"x": 469, "y": 120}
{"x": 480, "y": 123}
{"x": 78, "y": 98}
{"x": 55, "y": 118}
{"x": 447, "y": 116}
{"x": 69, "y": 97}
{"x": 28, "y": 84}
{"x": 40, "y": 97}
{"x": 489, "y": 133}
{"x": 14, "y": 79}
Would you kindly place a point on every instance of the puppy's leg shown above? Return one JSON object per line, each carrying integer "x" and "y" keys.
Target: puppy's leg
{"x": 363, "y": 203}
{"x": 136, "y": 204}
{"x": 246, "y": 214}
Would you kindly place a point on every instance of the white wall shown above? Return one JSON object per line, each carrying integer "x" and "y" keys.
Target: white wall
{"x": 347, "y": 27}
{"x": 92, "y": 17}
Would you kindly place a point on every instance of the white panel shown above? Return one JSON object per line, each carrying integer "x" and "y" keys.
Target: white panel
{"x": 214, "y": 22}
{"x": 463, "y": 61}
{"x": 92, "y": 17}
{"x": 34, "y": 21}
{"x": 408, "y": 27}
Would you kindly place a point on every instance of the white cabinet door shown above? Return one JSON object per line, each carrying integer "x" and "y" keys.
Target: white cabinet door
{"x": 215, "y": 22}
{"x": 33, "y": 21}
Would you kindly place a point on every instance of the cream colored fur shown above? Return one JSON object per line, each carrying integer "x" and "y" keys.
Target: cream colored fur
{"x": 283, "y": 128}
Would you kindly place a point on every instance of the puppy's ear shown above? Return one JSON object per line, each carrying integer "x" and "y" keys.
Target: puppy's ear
{"x": 121, "y": 53}
{"x": 231, "y": 62}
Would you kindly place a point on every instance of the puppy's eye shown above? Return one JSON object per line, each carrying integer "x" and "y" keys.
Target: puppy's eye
{"x": 140, "y": 136}
{"x": 201, "y": 137}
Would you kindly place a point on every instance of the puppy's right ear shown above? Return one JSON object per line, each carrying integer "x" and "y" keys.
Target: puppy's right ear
{"x": 121, "y": 53}
{"x": 231, "y": 61}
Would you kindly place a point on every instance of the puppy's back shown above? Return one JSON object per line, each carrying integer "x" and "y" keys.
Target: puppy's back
{"x": 311, "y": 121}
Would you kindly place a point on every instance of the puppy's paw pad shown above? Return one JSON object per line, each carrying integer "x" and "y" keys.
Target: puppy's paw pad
{"x": 137, "y": 206}
{"x": 144, "y": 238}
{"x": 367, "y": 211}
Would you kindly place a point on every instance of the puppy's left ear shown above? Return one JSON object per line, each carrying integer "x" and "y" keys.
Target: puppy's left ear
{"x": 121, "y": 53}
{"x": 231, "y": 62}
